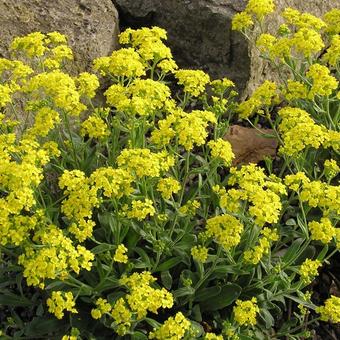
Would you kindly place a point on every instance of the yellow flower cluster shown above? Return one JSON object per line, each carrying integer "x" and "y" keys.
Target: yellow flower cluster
{"x": 125, "y": 62}
{"x": 295, "y": 90}
{"x": 261, "y": 191}
{"x": 95, "y": 127}
{"x": 332, "y": 55}
{"x": 221, "y": 149}
{"x": 199, "y": 253}
{"x": 322, "y": 195}
{"x": 322, "y": 231}
{"x": 102, "y": 307}
{"x": 309, "y": 270}
{"x": 51, "y": 48}
{"x": 245, "y": 312}
{"x": 140, "y": 210}
{"x": 120, "y": 254}
{"x": 302, "y": 20}
{"x": 148, "y": 43}
{"x": 263, "y": 97}
{"x": 255, "y": 254}
{"x": 142, "y": 297}
{"x": 225, "y": 229}
{"x": 332, "y": 20}
{"x": 174, "y": 328}
{"x": 59, "y": 302}
{"x": 57, "y": 86}
{"x": 87, "y": 84}
{"x": 299, "y": 131}
{"x": 331, "y": 168}
{"x": 189, "y": 128}
{"x": 323, "y": 83}
{"x": 143, "y": 97}
{"x": 331, "y": 310}
{"x": 55, "y": 257}
{"x": 256, "y": 9}
{"x": 143, "y": 162}
{"x": 168, "y": 186}
{"x": 212, "y": 336}
{"x": 83, "y": 195}
{"x": 194, "y": 81}
{"x": 190, "y": 207}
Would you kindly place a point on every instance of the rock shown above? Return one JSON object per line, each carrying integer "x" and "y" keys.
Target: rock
{"x": 251, "y": 145}
{"x": 91, "y": 25}
{"x": 199, "y": 33}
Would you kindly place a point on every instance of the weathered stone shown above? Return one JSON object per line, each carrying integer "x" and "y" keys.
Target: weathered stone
{"x": 199, "y": 33}
{"x": 91, "y": 25}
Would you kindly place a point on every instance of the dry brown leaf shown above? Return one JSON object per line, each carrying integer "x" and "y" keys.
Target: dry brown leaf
{"x": 249, "y": 145}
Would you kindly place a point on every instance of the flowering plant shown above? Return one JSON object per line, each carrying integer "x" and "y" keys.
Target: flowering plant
{"x": 125, "y": 217}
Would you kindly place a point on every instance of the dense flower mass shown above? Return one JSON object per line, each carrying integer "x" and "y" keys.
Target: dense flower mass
{"x": 118, "y": 202}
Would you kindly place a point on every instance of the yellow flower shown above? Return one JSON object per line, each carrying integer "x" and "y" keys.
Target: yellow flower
{"x": 322, "y": 231}
{"x": 264, "y": 96}
{"x": 331, "y": 310}
{"x": 295, "y": 90}
{"x": 260, "y": 8}
{"x": 245, "y": 312}
{"x": 120, "y": 254}
{"x": 212, "y": 336}
{"x": 102, "y": 307}
{"x": 332, "y": 55}
{"x": 241, "y": 21}
{"x": 174, "y": 328}
{"x": 331, "y": 168}
{"x": 222, "y": 149}
{"x": 59, "y": 302}
{"x": 323, "y": 83}
{"x": 87, "y": 84}
{"x": 94, "y": 127}
{"x": 225, "y": 229}
{"x": 309, "y": 270}
{"x": 332, "y": 19}
{"x": 307, "y": 41}
{"x": 199, "y": 253}
{"x": 123, "y": 62}
{"x": 32, "y": 44}
{"x": 143, "y": 162}
{"x": 194, "y": 81}
{"x": 140, "y": 210}
{"x": 168, "y": 186}
{"x": 299, "y": 131}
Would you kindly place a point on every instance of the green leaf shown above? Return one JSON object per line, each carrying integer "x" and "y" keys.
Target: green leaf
{"x": 267, "y": 318}
{"x": 291, "y": 252}
{"x": 228, "y": 294}
{"x": 308, "y": 253}
{"x": 196, "y": 313}
{"x": 43, "y": 325}
{"x": 166, "y": 279}
{"x": 169, "y": 264}
{"x": 138, "y": 336}
{"x": 207, "y": 293}
{"x": 184, "y": 291}
{"x": 101, "y": 248}
{"x": 13, "y": 300}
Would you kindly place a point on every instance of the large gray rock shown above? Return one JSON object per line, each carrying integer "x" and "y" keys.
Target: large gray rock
{"x": 91, "y": 25}
{"x": 199, "y": 33}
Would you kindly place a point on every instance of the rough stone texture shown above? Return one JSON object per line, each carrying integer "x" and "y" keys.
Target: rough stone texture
{"x": 91, "y": 25}
{"x": 199, "y": 33}
{"x": 259, "y": 69}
